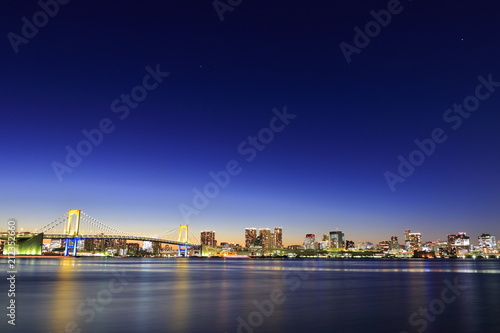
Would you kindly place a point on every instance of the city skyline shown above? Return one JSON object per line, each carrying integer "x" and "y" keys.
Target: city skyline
{"x": 297, "y": 238}
{"x": 250, "y": 166}
{"x": 221, "y": 126}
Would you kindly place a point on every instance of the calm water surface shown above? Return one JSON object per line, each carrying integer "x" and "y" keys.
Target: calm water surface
{"x": 217, "y": 295}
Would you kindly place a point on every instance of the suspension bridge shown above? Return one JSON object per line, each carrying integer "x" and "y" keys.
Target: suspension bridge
{"x": 76, "y": 226}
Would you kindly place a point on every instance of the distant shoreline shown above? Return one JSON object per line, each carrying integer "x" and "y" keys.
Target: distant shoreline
{"x": 246, "y": 258}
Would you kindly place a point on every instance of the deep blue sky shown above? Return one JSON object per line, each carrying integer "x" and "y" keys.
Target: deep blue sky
{"x": 324, "y": 171}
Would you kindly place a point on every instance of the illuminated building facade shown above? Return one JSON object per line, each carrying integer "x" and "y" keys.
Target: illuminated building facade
{"x": 394, "y": 244}
{"x": 278, "y": 238}
{"x": 383, "y": 245}
{"x": 487, "y": 243}
{"x": 407, "y": 240}
{"x": 337, "y": 240}
{"x": 265, "y": 235}
{"x": 459, "y": 243}
{"x": 349, "y": 245}
{"x": 208, "y": 238}
{"x": 309, "y": 242}
{"x": 415, "y": 241}
{"x": 250, "y": 237}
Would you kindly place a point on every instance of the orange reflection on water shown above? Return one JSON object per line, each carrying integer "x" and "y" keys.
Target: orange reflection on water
{"x": 182, "y": 300}
{"x": 65, "y": 298}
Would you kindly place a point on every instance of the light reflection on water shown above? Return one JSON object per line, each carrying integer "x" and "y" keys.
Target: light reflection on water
{"x": 200, "y": 295}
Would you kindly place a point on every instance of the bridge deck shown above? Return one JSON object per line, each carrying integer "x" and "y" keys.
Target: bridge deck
{"x": 102, "y": 236}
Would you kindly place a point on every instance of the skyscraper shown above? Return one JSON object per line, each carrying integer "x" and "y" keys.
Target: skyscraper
{"x": 309, "y": 242}
{"x": 250, "y": 236}
{"x": 407, "y": 240}
{"x": 278, "y": 237}
{"x": 337, "y": 240}
{"x": 265, "y": 235}
{"x": 415, "y": 241}
{"x": 208, "y": 238}
{"x": 394, "y": 244}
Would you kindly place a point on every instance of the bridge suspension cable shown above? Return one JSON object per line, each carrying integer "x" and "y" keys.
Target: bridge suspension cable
{"x": 166, "y": 233}
{"x": 195, "y": 238}
{"x": 103, "y": 227}
{"x": 54, "y": 223}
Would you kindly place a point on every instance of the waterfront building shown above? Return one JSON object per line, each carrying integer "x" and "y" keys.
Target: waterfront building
{"x": 208, "y": 238}
{"x": 349, "y": 245}
{"x": 383, "y": 245}
{"x": 394, "y": 244}
{"x": 250, "y": 237}
{"x": 323, "y": 245}
{"x": 278, "y": 238}
{"x": 265, "y": 235}
{"x": 309, "y": 242}
{"x": 413, "y": 241}
{"x": 459, "y": 244}
{"x": 337, "y": 240}
{"x": 407, "y": 240}
{"x": 147, "y": 246}
{"x": 55, "y": 244}
{"x": 487, "y": 243}
{"x": 439, "y": 248}
{"x": 132, "y": 248}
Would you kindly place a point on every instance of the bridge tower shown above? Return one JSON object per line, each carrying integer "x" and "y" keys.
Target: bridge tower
{"x": 184, "y": 238}
{"x": 72, "y": 226}
{"x": 72, "y": 229}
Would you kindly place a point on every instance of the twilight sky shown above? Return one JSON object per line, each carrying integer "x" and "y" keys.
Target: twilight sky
{"x": 310, "y": 131}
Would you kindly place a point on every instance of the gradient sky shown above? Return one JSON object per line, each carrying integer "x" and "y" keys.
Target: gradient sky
{"x": 324, "y": 171}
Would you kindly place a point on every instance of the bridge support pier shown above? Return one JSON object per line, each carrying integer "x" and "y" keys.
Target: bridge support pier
{"x": 180, "y": 248}
{"x": 74, "y": 247}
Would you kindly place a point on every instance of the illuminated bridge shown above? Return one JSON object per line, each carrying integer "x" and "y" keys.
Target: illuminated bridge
{"x": 75, "y": 226}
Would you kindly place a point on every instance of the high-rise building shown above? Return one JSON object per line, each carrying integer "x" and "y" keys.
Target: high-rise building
{"x": 250, "y": 237}
{"x": 278, "y": 238}
{"x": 394, "y": 244}
{"x": 208, "y": 238}
{"x": 309, "y": 242}
{"x": 415, "y": 241}
{"x": 487, "y": 243}
{"x": 337, "y": 240}
{"x": 407, "y": 240}
{"x": 272, "y": 243}
{"x": 265, "y": 235}
{"x": 324, "y": 244}
{"x": 459, "y": 243}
